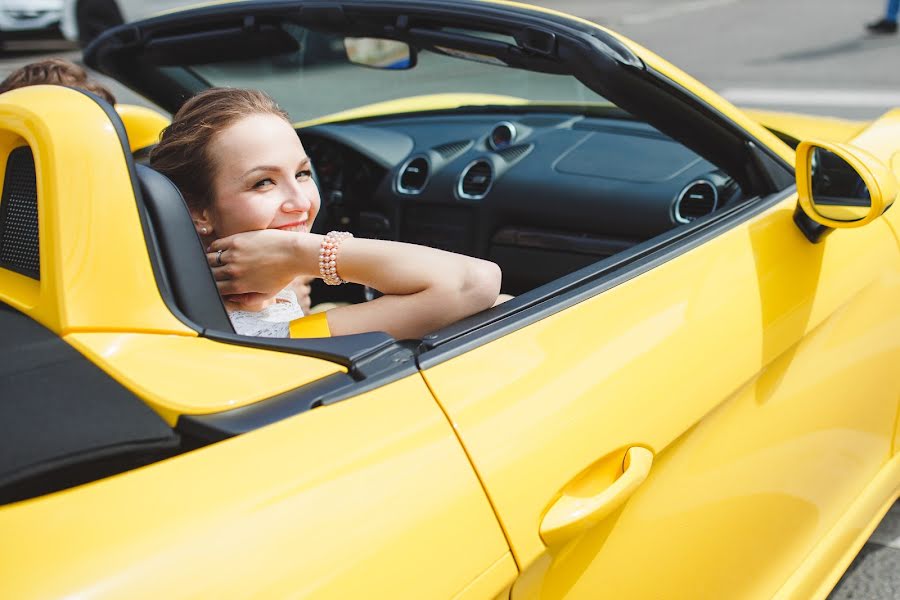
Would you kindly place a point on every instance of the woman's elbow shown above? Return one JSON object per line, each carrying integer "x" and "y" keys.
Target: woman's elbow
{"x": 481, "y": 285}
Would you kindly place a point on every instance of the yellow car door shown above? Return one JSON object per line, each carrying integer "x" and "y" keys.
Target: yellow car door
{"x": 712, "y": 420}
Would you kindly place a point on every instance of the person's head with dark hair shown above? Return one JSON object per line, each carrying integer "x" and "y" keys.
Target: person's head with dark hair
{"x": 55, "y": 71}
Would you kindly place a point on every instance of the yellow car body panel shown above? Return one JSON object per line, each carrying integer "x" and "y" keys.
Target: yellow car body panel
{"x": 142, "y": 124}
{"x": 778, "y": 331}
{"x": 495, "y": 583}
{"x": 178, "y": 375}
{"x": 803, "y": 127}
{"x": 86, "y": 246}
{"x": 414, "y": 104}
{"x": 368, "y": 498}
{"x": 880, "y": 140}
{"x": 825, "y": 566}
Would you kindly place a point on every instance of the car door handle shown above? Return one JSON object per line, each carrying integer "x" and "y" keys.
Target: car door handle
{"x": 571, "y": 515}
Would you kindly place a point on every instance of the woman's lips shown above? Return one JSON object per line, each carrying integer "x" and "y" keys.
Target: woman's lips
{"x": 297, "y": 227}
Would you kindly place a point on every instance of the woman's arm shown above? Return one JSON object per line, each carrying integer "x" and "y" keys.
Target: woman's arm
{"x": 424, "y": 288}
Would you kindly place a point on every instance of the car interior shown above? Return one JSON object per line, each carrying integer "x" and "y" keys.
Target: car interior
{"x": 542, "y": 194}
{"x": 549, "y": 171}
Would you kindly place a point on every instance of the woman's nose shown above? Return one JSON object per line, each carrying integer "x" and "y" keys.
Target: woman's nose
{"x": 299, "y": 200}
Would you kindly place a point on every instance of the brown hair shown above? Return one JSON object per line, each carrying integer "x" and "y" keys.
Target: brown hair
{"x": 55, "y": 71}
{"x": 182, "y": 153}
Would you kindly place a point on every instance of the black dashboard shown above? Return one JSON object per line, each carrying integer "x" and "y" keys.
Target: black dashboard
{"x": 540, "y": 193}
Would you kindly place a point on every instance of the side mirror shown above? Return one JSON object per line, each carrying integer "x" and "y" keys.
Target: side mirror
{"x": 841, "y": 186}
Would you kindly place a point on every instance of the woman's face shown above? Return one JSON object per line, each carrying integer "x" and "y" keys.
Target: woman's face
{"x": 261, "y": 179}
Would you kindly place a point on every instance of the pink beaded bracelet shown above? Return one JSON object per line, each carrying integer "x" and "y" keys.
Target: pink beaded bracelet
{"x": 328, "y": 256}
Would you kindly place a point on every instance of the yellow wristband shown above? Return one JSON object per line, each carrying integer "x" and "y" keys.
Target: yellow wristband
{"x": 310, "y": 326}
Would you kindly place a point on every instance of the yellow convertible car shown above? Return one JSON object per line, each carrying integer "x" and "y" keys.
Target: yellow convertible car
{"x": 693, "y": 394}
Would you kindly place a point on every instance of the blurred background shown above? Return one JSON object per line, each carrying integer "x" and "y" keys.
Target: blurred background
{"x": 809, "y": 56}
{"x": 799, "y": 55}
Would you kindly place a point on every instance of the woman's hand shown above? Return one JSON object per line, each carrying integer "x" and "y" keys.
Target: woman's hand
{"x": 264, "y": 261}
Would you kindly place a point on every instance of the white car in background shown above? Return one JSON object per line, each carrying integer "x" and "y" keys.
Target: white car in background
{"x": 28, "y": 16}
{"x": 83, "y": 20}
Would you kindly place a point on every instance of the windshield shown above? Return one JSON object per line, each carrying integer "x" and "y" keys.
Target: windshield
{"x": 319, "y": 80}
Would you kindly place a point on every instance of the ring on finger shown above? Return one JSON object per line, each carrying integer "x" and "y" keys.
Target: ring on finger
{"x": 219, "y": 262}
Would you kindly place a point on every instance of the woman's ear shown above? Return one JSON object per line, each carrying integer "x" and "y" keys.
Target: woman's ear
{"x": 202, "y": 222}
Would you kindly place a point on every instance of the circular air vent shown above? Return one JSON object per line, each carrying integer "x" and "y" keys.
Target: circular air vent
{"x": 476, "y": 180}
{"x": 413, "y": 175}
{"x": 697, "y": 199}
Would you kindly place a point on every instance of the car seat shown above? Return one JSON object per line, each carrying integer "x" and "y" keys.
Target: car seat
{"x": 186, "y": 272}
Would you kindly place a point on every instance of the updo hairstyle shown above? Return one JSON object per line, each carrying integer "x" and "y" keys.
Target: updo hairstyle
{"x": 183, "y": 150}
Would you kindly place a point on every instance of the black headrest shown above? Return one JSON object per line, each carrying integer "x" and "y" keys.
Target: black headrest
{"x": 182, "y": 254}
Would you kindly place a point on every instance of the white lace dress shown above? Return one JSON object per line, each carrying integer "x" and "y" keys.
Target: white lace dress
{"x": 272, "y": 321}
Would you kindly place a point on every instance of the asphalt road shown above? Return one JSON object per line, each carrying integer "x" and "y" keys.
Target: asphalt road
{"x": 801, "y": 55}
{"x": 808, "y": 56}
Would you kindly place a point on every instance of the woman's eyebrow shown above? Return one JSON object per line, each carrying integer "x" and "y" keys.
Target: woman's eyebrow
{"x": 263, "y": 168}
{"x": 269, "y": 168}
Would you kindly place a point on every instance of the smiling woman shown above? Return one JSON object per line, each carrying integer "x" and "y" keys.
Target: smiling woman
{"x": 248, "y": 183}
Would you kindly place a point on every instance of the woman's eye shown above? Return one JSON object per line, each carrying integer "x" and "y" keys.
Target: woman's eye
{"x": 304, "y": 175}
{"x": 263, "y": 182}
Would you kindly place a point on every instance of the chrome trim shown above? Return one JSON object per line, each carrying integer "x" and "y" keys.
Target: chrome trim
{"x": 677, "y": 213}
{"x": 402, "y": 169}
{"x": 513, "y": 132}
{"x": 459, "y": 184}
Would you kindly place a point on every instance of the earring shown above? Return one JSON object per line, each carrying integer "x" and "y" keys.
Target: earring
{"x": 203, "y": 231}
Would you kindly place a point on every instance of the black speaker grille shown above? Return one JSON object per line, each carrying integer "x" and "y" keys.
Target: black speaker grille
{"x": 453, "y": 149}
{"x": 514, "y": 153}
{"x": 19, "y": 245}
